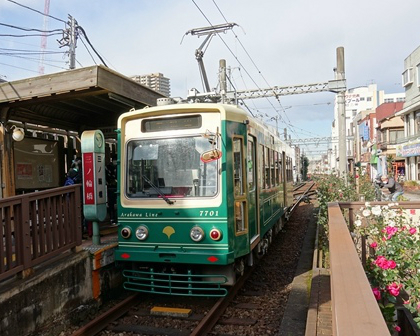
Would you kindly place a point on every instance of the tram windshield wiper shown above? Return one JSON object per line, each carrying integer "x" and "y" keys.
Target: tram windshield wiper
{"x": 166, "y": 199}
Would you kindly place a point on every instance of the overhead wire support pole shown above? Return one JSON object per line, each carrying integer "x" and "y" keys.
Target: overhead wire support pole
{"x": 332, "y": 86}
{"x": 341, "y": 111}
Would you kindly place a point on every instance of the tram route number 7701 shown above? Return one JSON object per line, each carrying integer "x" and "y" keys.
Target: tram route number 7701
{"x": 209, "y": 213}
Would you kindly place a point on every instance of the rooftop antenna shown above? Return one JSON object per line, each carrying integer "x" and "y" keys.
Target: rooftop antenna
{"x": 199, "y": 53}
{"x": 41, "y": 67}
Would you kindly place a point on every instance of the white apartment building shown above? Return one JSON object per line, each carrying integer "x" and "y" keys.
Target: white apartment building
{"x": 156, "y": 81}
{"x": 363, "y": 98}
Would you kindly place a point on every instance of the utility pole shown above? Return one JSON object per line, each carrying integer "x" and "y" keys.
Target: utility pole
{"x": 341, "y": 110}
{"x": 69, "y": 39}
{"x": 222, "y": 80}
{"x": 72, "y": 42}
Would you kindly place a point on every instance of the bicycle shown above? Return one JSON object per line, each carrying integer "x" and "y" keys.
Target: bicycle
{"x": 380, "y": 195}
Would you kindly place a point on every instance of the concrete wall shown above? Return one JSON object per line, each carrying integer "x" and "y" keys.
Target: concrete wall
{"x": 52, "y": 290}
{"x": 54, "y": 297}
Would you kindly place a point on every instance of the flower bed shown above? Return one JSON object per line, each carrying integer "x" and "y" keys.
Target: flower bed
{"x": 393, "y": 237}
{"x": 393, "y": 264}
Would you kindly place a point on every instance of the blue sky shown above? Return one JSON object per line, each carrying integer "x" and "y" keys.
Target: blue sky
{"x": 277, "y": 43}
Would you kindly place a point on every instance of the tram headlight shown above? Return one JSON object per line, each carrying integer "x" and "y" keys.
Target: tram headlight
{"x": 142, "y": 232}
{"x": 215, "y": 234}
{"x": 126, "y": 232}
{"x": 197, "y": 233}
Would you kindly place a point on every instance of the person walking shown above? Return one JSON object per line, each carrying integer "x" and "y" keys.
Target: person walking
{"x": 393, "y": 186}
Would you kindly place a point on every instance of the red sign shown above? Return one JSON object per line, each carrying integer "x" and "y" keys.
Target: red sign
{"x": 88, "y": 178}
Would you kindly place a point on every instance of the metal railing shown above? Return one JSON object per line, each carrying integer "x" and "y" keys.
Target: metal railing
{"x": 38, "y": 226}
{"x": 354, "y": 308}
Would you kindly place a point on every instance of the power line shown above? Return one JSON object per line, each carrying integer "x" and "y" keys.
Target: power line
{"x": 30, "y": 29}
{"x": 37, "y": 11}
{"x": 83, "y": 42}
{"x": 35, "y": 60}
{"x": 90, "y": 44}
{"x": 28, "y": 35}
{"x": 14, "y": 66}
{"x": 239, "y": 62}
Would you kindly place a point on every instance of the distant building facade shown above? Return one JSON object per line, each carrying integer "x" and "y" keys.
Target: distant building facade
{"x": 410, "y": 148}
{"x": 155, "y": 81}
{"x": 359, "y": 103}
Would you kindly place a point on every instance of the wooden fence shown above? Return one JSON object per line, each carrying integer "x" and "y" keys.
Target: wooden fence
{"x": 38, "y": 226}
{"x": 354, "y": 307}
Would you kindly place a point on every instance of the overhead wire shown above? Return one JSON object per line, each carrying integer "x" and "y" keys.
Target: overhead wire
{"x": 255, "y": 65}
{"x": 83, "y": 42}
{"x": 240, "y": 63}
{"x": 90, "y": 44}
{"x": 47, "y": 33}
{"x": 36, "y": 60}
{"x": 29, "y": 35}
{"x": 37, "y": 11}
{"x": 30, "y": 29}
{"x": 288, "y": 124}
{"x": 17, "y": 67}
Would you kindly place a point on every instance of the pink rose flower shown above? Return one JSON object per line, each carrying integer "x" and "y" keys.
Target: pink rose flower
{"x": 376, "y": 293}
{"x": 412, "y": 231}
{"x": 391, "y": 264}
{"x": 383, "y": 263}
{"x": 391, "y": 230}
{"x": 397, "y": 328}
{"x": 394, "y": 289}
{"x": 374, "y": 245}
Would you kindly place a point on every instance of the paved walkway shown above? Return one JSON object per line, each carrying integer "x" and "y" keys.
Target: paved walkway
{"x": 308, "y": 309}
{"x": 412, "y": 195}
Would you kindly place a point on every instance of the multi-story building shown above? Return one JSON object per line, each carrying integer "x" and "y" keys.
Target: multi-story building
{"x": 357, "y": 100}
{"x": 155, "y": 81}
{"x": 364, "y": 135}
{"x": 409, "y": 149}
{"x": 390, "y": 131}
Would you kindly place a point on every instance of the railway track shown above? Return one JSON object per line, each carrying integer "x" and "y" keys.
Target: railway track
{"x": 253, "y": 306}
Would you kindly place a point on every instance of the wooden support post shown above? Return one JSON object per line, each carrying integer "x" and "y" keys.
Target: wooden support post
{"x": 6, "y": 163}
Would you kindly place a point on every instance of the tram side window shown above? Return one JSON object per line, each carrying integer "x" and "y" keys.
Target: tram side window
{"x": 261, "y": 167}
{"x": 276, "y": 167}
{"x": 239, "y": 216}
{"x": 280, "y": 166}
{"x": 237, "y": 166}
{"x": 250, "y": 167}
{"x": 289, "y": 169}
{"x": 267, "y": 167}
{"x": 273, "y": 169}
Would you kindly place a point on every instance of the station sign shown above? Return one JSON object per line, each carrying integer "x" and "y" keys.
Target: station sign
{"x": 94, "y": 178}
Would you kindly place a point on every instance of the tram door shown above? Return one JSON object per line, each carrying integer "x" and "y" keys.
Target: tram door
{"x": 251, "y": 168}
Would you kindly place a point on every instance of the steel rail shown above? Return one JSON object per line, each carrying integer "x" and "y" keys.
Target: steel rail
{"x": 102, "y": 321}
{"x": 214, "y": 314}
{"x": 301, "y": 197}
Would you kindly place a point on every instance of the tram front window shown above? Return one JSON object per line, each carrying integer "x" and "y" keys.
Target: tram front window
{"x": 170, "y": 167}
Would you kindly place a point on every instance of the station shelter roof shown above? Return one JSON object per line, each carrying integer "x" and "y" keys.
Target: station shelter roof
{"x": 74, "y": 100}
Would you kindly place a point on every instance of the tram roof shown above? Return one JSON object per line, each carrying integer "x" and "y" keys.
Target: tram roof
{"x": 74, "y": 100}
